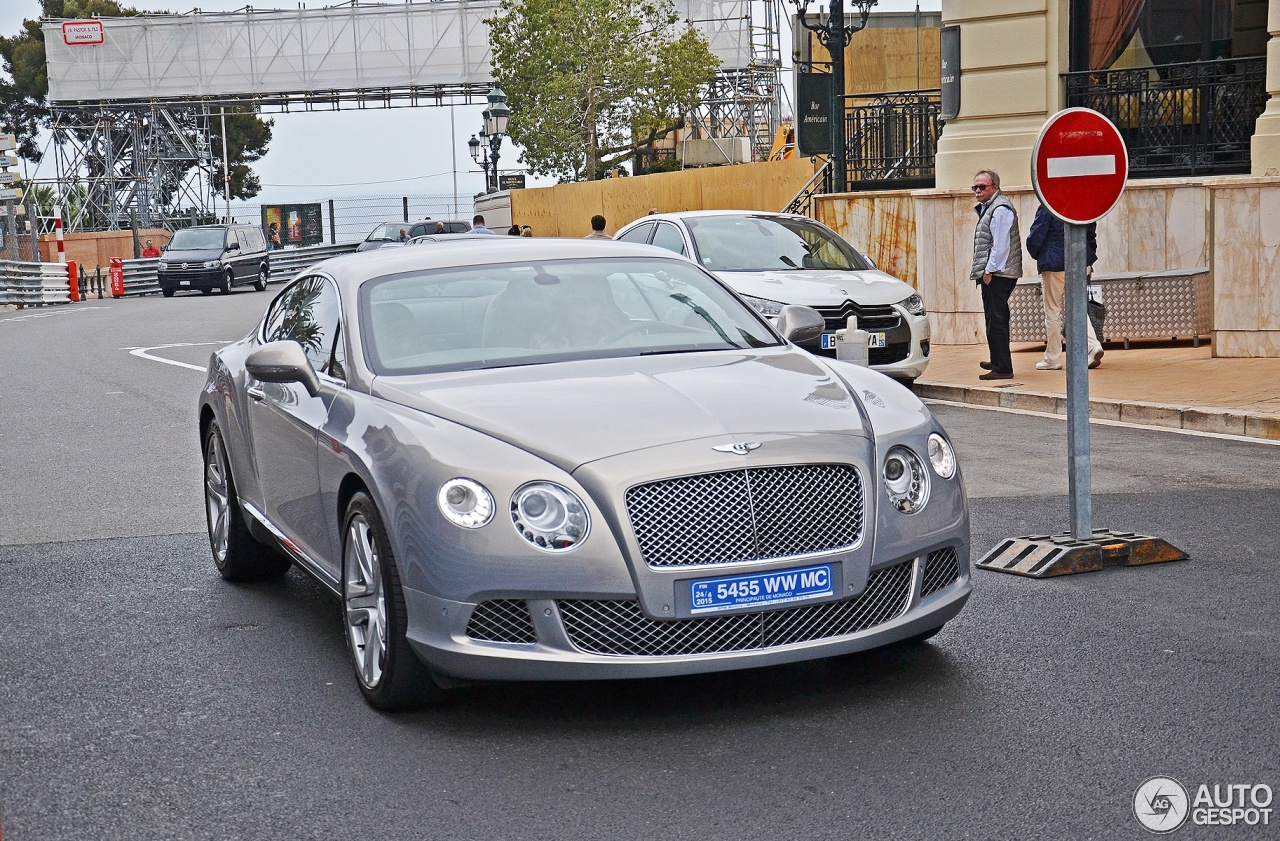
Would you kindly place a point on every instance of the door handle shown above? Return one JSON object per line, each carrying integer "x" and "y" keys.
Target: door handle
{"x": 256, "y": 394}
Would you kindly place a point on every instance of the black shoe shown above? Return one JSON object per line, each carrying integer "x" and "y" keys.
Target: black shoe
{"x": 986, "y": 366}
{"x": 996, "y": 375}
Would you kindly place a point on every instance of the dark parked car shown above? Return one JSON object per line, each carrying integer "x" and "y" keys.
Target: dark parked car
{"x": 212, "y": 257}
{"x": 573, "y": 460}
{"x": 387, "y": 233}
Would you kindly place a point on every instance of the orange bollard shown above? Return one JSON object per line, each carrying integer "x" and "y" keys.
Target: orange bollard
{"x": 73, "y": 280}
{"x": 117, "y": 277}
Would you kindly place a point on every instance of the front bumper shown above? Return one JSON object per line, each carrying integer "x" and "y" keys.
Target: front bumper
{"x": 902, "y": 599}
{"x": 177, "y": 279}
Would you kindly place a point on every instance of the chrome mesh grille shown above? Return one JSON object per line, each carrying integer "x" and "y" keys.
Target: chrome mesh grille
{"x": 621, "y": 628}
{"x": 748, "y": 514}
{"x": 940, "y": 569}
{"x": 502, "y": 620}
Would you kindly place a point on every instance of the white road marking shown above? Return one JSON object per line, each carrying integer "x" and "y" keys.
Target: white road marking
{"x": 49, "y": 313}
{"x": 143, "y": 353}
{"x": 1225, "y": 436}
{"x": 1081, "y": 165}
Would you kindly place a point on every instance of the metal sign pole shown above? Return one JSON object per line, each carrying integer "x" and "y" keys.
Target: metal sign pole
{"x": 1078, "y": 462}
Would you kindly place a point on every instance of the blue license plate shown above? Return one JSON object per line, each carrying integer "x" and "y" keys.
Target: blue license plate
{"x": 760, "y": 589}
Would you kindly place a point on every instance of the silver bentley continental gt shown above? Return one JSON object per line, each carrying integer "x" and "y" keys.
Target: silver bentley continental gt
{"x": 573, "y": 459}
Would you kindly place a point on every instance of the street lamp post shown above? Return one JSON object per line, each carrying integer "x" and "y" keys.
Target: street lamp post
{"x": 496, "y": 117}
{"x": 835, "y": 34}
{"x": 480, "y": 154}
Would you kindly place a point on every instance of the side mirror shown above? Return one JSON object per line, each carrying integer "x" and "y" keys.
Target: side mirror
{"x": 233, "y": 246}
{"x": 800, "y": 324}
{"x": 283, "y": 362}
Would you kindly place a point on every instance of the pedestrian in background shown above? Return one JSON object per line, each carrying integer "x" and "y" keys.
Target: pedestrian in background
{"x": 273, "y": 236}
{"x": 597, "y": 228}
{"x": 513, "y": 231}
{"x": 150, "y": 250}
{"x": 440, "y": 228}
{"x": 477, "y": 225}
{"x": 997, "y": 265}
{"x": 526, "y": 231}
{"x": 1046, "y": 242}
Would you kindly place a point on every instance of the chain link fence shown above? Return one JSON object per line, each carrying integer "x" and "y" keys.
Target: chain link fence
{"x": 351, "y": 218}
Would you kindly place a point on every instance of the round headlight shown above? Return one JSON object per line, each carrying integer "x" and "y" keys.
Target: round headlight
{"x": 549, "y": 516}
{"x": 905, "y": 480}
{"x": 941, "y": 456}
{"x": 465, "y": 503}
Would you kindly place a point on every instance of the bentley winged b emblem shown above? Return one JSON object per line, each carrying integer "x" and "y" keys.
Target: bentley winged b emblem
{"x": 737, "y": 449}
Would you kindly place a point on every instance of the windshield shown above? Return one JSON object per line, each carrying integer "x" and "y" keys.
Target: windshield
{"x": 199, "y": 239}
{"x": 388, "y": 232}
{"x": 770, "y": 243}
{"x": 520, "y": 314}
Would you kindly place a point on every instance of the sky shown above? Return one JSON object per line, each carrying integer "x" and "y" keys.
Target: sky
{"x": 391, "y": 152}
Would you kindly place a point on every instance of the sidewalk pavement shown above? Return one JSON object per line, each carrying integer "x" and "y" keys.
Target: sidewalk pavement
{"x": 1170, "y": 384}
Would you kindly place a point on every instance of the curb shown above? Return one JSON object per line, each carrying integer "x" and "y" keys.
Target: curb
{"x": 1195, "y": 418}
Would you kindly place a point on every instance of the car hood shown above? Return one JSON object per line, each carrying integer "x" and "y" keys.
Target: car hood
{"x": 819, "y": 288}
{"x": 200, "y": 256}
{"x": 572, "y": 413}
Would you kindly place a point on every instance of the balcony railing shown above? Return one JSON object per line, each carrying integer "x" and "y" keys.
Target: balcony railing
{"x": 892, "y": 139}
{"x": 1194, "y": 118}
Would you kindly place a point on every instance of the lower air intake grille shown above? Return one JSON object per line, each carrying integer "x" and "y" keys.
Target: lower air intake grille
{"x": 502, "y": 620}
{"x": 940, "y": 569}
{"x": 620, "y": 627}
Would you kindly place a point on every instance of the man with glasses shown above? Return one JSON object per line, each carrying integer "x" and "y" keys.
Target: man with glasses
{"x": 997, "y": 265}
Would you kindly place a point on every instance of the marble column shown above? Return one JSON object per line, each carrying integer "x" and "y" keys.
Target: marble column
{"x": 1265, "y": 146}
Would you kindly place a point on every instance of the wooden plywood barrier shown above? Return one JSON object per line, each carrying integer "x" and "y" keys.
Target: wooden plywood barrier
{"x": 565, "y": 210}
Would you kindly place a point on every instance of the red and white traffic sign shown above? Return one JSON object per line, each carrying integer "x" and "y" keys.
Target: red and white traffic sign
{"x": 75, "y": 32}
{"x": 1079, "y": 165}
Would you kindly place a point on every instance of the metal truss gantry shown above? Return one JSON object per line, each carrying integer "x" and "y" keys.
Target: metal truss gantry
{"x": 114, "y": 162}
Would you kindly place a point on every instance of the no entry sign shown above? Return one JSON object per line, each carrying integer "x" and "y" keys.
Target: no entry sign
{"x": 1079, "y": 165}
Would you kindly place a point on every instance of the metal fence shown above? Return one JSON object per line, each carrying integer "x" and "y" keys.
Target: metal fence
{"x": 141, "y": 278}
{"x": 350, "y": 219}
{"x": 1192, "y": 118}
{"x": 892, "y": 139}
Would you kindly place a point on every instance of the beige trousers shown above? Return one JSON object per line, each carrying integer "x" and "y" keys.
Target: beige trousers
{"x": 1052, "y": 285}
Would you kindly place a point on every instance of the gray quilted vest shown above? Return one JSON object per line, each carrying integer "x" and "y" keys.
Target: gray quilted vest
{"x": 982, "y": 242}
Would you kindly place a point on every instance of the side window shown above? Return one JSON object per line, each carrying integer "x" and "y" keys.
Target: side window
{"x": 418, "y": 230}
{"x": 668, "y": 236}
{"x": 256, "y": 242}
{"x": 244, "y": 242}
{"x": 640, "y": 233}
{"x": 307, "y": 312}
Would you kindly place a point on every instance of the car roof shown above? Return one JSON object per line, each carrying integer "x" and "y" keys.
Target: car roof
{"x": 354, "y": 269}
{"x": 696, "y": 214}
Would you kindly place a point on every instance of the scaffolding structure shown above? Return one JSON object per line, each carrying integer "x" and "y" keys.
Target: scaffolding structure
{"x": 749, "y": 100}
{"x": 135, "y": 111}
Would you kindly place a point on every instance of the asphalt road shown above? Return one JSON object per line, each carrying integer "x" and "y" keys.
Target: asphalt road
{"x": 143, "y": 697}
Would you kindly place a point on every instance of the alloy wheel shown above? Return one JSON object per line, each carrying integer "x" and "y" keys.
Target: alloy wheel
{"x": 365, "y": 600}
{"x": 217, "y": 496}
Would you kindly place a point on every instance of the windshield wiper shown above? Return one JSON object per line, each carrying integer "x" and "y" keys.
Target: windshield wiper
{"x": 785, "y": 259}
{"x": 705, "y": 316}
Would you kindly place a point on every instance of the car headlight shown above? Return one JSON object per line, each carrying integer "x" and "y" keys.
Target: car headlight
{"x": 465, "y": 503}
{"x": 941, "y": 456}
{"x": 212, "y": 264}
{"x": 162, "y": 266}
{"x": 905, "y": 480}
{"x": 763, "y": 306}
{"x": 913, "y": 305}
{"x": 549, "y": 516}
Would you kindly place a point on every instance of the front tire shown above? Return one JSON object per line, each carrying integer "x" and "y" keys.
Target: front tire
{"x": 238, "y": 556}
{"x": 227, "y": 280}
{"x": 374, "y": 618}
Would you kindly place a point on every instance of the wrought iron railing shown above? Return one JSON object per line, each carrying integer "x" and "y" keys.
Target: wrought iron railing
{"x": 820, "y": 183}
{"x": 1193, "y": 118}
{"x": 892, "y": 139}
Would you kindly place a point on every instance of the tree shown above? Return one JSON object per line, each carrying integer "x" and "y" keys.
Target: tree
{"x": 24, "y": 108}
{"x": 591, "y": 81}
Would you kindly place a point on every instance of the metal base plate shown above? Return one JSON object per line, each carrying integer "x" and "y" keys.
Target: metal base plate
{"x": 1044, "y": 556}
